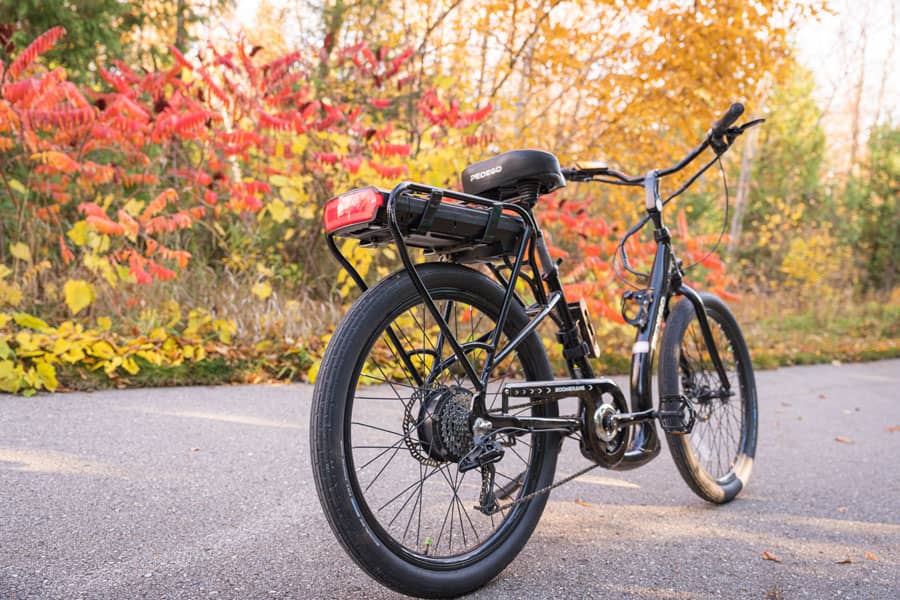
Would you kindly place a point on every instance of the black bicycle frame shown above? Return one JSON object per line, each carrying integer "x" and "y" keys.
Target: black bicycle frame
{"x": 665, "y": 280}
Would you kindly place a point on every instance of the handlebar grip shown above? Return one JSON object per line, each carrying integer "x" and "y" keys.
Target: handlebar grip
{"x": 727, "y": 120}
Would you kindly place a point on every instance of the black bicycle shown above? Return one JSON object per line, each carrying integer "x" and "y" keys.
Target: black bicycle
{"x": 436, "y": 418}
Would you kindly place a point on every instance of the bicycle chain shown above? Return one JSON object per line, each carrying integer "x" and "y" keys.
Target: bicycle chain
{"x": 546, "y": 489}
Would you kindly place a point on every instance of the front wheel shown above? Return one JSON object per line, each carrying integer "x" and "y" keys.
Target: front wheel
{"x": 716, "y": 458}
{"x": 391, "y": 421}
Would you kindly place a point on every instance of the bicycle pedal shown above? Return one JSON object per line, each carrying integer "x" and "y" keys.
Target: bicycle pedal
{"x": 676, "y": 415}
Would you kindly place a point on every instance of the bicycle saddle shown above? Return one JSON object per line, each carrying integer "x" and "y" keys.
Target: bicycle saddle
{"x": 513, "y": 174}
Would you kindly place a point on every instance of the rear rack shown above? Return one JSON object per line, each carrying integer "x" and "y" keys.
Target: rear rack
{"x": 441, "y": 222}
{"x": 463, "y": 228}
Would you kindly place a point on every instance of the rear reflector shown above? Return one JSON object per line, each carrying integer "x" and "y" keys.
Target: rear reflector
{"x": 358, "y": 206}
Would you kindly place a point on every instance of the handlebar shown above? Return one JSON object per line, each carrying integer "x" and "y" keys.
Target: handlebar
{"x": 719, "y": 138}
{"x": 726, "y": 120}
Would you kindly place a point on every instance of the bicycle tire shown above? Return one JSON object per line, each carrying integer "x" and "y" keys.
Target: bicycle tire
{"x": 725, "y": 427}
{"x": 358, "y": 523}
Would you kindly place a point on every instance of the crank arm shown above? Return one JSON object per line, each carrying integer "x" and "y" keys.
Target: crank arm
{"x": 625, "y": 419}
{"x": 521, "y": 425}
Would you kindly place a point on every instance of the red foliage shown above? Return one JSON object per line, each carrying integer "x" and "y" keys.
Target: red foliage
{"x": 39, "y": 46}
{"x": 590, "y": 243}
{"x": 145, "y": 135}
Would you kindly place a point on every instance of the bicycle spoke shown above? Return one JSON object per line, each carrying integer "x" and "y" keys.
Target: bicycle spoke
{"x": 409, "y": 486}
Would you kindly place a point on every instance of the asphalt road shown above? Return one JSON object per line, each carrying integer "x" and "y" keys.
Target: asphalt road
{"x": 207, "y": 492}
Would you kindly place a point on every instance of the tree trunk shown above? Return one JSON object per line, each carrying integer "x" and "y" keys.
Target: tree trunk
{"x": 856, "y": 108}
{"x": 748, "y": 156}
{"x": 181, "y": 25}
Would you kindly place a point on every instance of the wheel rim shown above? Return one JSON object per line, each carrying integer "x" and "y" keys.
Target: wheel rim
{"x": 404, "y": 475}
{"x": 718, "y": 439}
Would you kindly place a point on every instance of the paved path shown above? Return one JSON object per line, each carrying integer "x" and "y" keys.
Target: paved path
{"x": 207, "y": 492}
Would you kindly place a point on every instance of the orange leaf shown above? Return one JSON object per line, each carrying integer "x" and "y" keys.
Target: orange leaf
{"x": 871, "y": 556}
{"x": 67, "y": 254}
{"x": 159, "y": 203}
{"x": 57, "y": 160}
{"x": 769, "y": 556}
{"x": 105, "y": 225}
{"x": 842, "y": 439}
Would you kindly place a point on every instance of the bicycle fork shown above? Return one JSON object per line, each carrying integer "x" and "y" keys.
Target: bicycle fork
{"x": 676, "y": 415}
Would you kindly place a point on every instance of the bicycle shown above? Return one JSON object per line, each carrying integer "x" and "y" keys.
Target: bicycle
{"x": 437, "y": 374}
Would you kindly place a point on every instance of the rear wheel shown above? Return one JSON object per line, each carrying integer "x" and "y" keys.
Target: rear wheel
{"x": 387, "y": 434}
{"x": 716, "y": 458}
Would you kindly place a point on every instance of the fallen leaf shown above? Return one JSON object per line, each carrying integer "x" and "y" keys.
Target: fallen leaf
{"x": 845, "y": 561}
{"x": 769, "y": 556}
{"x": 842, "y": 509}
{"x": 823, "y": 397}
{"x": 583, "y": 503}
{"x": 892, "y": 428}
{"x": 842, "y": 439}
{"x": 871, "y": 556}
{"x": 195, "y": 449}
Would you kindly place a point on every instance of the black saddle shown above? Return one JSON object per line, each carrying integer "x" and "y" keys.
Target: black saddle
{"x": 523, "y": 174}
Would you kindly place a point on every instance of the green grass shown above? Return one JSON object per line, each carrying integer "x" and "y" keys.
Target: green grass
{"x": 779, "y": 331}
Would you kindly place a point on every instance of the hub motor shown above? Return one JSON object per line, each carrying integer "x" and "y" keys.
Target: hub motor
{"x": 444, "y": 432}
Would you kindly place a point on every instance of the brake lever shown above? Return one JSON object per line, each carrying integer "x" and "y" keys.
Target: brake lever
{"x": 750, "y": 124}
{"x": 732, "y": 134}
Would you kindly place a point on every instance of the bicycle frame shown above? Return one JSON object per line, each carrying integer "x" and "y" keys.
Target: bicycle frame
{"x": 665, "y": 280}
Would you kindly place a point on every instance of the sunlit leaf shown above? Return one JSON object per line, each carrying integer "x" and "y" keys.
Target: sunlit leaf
{"x": 20, "y": 251}
{"x": 79, "y": 295}
{"x": 262, "y": 290}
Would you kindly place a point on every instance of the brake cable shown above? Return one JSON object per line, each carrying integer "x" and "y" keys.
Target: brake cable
{"x": 724, "y": 221}
{"x": 731, "y": 134}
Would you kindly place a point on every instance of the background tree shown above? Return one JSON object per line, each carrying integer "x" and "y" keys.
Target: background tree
{"x": 786, "y": 187}
{"x": 872, "y": 202}
{"x": 94, "y": 30}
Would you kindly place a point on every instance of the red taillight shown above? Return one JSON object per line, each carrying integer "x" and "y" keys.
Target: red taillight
{"x": 358, "y": 206}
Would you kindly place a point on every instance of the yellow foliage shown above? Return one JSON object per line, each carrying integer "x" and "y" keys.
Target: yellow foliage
{"x": 279, "y": 210}
{"x": 262, "y": 290}
{"x": 102, "y": 267}
{"x": 313, "y": 371}
{"x": 20, "y": 251}
{"x": 11, "y": 376}
{"x": 78, "y": 233}
{"x": 815, "y": 258}
{"x": 26, "y": 320}
{"x": 224, "y": 329}
{"x": 28, "y": 355}
{"x": 10, "y": 294}
{"x": 79, "y": 295}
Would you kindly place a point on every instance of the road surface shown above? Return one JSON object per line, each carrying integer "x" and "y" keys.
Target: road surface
{"x": 207, "y": 493}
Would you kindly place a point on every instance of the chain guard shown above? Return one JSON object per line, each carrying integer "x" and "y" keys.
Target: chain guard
{"x": 610, "y": 451}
